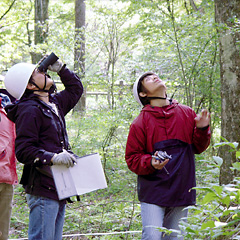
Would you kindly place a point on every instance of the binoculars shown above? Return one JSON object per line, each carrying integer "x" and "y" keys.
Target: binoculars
{"x": 50, "y": 60}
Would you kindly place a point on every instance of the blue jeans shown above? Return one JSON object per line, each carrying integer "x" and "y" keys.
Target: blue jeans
{"x": 46, "y": 218}
{"x": 154, "y": 216}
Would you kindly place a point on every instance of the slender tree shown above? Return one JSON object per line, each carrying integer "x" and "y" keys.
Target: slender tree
{"x": 112, "y": 45}
{"x": 79, "y": 49}
{"x": 226, "y": 14}
{"x": 40, "y": 26}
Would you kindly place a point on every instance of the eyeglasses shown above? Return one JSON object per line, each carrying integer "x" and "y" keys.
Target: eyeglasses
{"x": 45, "y": 73}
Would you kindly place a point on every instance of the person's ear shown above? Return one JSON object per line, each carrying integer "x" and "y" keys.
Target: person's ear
{"x": 30, "y": 86}
{"x": 142, "y": 94}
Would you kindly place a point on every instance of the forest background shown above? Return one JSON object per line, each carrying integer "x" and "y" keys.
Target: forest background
{"x": 193, "y": 45}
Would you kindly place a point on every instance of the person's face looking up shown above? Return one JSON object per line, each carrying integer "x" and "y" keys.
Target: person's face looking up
{"x": 39, "y": 78}
{"x": 152, "y": 85}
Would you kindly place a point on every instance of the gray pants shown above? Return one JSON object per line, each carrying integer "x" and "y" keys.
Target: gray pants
{"x": 154, "y": 216}
{"x": 6, "y": 196}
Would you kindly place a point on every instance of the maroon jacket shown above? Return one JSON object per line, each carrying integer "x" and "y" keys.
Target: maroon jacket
{"x": 170, "y": 128}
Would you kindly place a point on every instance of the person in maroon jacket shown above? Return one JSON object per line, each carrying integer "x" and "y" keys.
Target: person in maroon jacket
{"x": 160, "y": 149}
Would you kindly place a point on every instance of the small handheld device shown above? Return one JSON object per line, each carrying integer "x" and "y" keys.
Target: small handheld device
{"x": 161, "y": 156}
{"x": 164, "y": 155}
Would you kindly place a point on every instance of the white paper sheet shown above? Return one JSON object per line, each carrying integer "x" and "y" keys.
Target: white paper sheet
{"x": 86, "y": 176}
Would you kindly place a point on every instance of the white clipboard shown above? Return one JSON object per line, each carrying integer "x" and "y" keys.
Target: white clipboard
{"x": 84, "y": 177}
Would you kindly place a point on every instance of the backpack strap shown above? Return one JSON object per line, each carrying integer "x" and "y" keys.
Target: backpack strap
{"x": 4, "y": 100}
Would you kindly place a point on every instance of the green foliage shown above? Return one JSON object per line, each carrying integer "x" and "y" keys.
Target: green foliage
{"x": 144, "y": 36}
{"x": 106, "y": 133}
{"x": 113, "y": 209}
{"x": 217, "y": 213}
{"x": 116, "y": 208}
{"x": 123, "y": 39}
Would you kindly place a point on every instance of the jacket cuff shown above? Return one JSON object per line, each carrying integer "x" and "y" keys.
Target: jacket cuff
{"x": 62, "y": 69}
{"x": 150, "y": 166}
{"x": 45, "y": 159}
{"x": 204, "y": 128}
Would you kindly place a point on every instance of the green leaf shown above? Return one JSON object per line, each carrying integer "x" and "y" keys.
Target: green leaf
{"x": 209, "y": 224}
{"x": 231, "y": 144}
{"x": 236, "y": 165}
{"x": 226, "y": 213}
{"x": 238, "y": 196}
{"x": 218, "y": 189}
{"x": 209, "y": 189}
{"x": 209, "y": 197}
{"x": 218, "y": 160}
{"x": 220, "y": 224}
{"x": 188, "y": 229}
{"x": 226, "y": 201}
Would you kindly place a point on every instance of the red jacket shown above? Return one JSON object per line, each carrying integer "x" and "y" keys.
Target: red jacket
{"x": 170, "y": 128}
{"x": 7, "y": 154}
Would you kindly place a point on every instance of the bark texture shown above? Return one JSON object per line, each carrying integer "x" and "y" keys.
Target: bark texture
{"x": 79, "y": 50}
{"x": 225, "y": 13}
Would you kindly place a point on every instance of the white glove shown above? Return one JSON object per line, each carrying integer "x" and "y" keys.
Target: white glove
{"x": 64, "y": 158}
{"x": 56, "y": 67}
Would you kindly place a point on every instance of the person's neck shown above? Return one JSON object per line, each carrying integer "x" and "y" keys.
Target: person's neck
{"x": 44, "y": 96}
{"x": 159, "y": 102}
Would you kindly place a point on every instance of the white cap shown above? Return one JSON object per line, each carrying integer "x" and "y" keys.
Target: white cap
{"x": 135, "y": 92}
{"x": 136, "y": 86}
{"x": 17, "y": 78}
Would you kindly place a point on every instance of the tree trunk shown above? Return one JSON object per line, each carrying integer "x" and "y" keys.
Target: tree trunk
{"x": 79, "y": 50}
{"x": 193, "y": 5}
{"x": 112, "y": 45}
{"x": 41, "y": 26}
{"x": 225, "y": 12}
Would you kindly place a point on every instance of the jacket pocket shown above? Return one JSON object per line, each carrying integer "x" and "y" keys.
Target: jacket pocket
{"x": 2, "y": 154}
{"x": 5, "y": 166}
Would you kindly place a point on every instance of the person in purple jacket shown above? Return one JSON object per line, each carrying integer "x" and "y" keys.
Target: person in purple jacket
{"x": 160, "y": 149}
{"x": 41, "y": 139}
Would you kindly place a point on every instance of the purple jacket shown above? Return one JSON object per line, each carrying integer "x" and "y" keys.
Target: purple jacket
{"x": 41, "y": 134}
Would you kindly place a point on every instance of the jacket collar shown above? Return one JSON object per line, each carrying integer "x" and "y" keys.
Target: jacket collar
{"x": 150, "y": 108}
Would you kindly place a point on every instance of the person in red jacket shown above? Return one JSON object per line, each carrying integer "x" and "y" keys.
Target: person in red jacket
{"x": 160, "y": 149}
{"x": 8, "y": 174}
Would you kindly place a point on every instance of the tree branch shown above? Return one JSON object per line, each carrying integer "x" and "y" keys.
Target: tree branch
{"x": 11, "y": 5}
{"x": 187, "y": 89}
